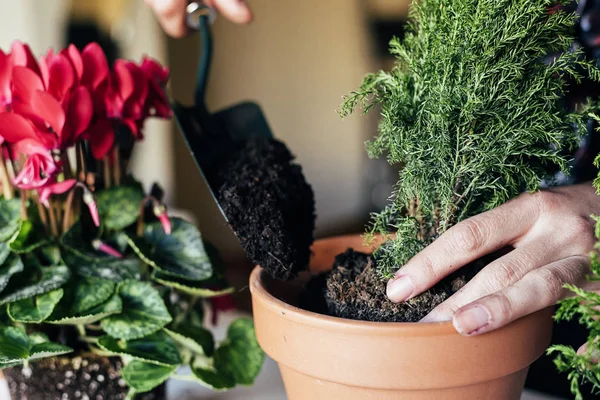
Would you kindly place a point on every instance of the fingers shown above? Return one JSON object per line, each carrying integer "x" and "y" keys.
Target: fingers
{"x": 234, "y": 10}
{"x": 461, "y": 244}
{"x": 171, "y": 14}
{"x": 498, "y": 275}
{"x": 538, "y": 289}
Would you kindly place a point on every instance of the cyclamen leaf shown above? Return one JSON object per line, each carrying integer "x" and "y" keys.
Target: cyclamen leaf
{"x": 36, "y": 309}
{"x": 194, "y": 337}
{"x": 114, "y": 305}
{"x": 209, "y": 377}
{"x": 144, "y": 312}
{"x": 90, "y": 293}
{"x": 180, "y": 254}
{"x": 51, "y": 278}
{"x": 4, "y": 252}
{"x": 10, "y": 215}
{"x": 109, "y": 268}
{"x": 43, "y": 350}
{"x": 189, "y": 287}
{"x": 27, "y": 239}
{"x": 240, "y": 356}
{"x": 16, "y": 347}
{"x": 11, "y": 266}
{"x": 50, "y": 254}
{"x": 143, "y": 377}
{"x": 157, "y": 348}
{"x": 119, "y": 206}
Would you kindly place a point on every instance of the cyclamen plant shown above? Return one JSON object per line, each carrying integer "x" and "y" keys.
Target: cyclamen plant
{"x": 90, "y": 263}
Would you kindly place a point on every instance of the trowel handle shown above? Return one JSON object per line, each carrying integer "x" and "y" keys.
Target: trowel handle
{"x": 199, "y": 17}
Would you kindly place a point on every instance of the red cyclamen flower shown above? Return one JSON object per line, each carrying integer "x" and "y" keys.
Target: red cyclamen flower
{"x": 39, "y": 166}
{"x": 55, "y": 188}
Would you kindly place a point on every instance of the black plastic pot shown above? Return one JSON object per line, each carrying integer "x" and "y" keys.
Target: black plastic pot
{"x": 83, "y": 377}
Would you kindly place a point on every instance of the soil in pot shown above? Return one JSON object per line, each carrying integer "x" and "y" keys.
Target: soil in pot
{"x": 62, "y": 378}
{"x": 269, "y": 205}
{"x": 354, "y": 289}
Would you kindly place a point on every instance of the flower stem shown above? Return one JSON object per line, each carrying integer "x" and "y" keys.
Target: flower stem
{"x": 53, "y": 224}
{"x": 80, "y": 161}
{"x": 117, "y": 166}
{"x": 64, "y": 158}
{"x": 42, "y": 213}
{"x": 81, "y": 330}
{"x": 7, "y": 187}
{"x": 22, "y": 197}
{"x": 107, "y": 180}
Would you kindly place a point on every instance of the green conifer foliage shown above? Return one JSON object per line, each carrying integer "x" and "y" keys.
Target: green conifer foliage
{"x": 471, "y": 113}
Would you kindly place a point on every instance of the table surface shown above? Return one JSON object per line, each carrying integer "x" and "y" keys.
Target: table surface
{"x": 268, "y": 385}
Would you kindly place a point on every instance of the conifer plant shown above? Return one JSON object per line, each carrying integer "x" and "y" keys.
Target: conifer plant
{"x": 472, "y": 115}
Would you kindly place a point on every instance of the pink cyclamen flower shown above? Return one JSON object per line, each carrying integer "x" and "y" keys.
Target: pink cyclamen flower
{"x": 160, "y": 211}
{"x": 105, "y": 248}
{"x": 55, "y": 188}
{"x": 39, "y": 166}
{"x": 157, "y": 103}
{"x": 90, "y": 202}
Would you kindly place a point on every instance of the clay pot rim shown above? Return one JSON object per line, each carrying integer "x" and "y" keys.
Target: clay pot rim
{"x": 299, "y": 315}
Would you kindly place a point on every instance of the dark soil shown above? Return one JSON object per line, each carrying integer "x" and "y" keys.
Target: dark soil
{"x": 269, "y": 206}
{"x": 78, "y": 378}
{"x": 354, "y": 289}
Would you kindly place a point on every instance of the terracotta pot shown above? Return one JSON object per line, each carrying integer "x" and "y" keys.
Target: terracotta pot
{"x": 323, "y": 357}
{"x": 86, "y": 377}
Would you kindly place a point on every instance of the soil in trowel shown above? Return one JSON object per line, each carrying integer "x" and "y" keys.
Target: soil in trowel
{"x": 269, "y": 205}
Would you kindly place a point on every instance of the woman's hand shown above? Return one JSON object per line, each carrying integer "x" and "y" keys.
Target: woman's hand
{"x": 552, "y": 234}
{"x": 171, "y": 13}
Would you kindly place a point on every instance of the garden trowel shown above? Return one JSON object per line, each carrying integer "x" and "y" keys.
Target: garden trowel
{"x": 211, "y": 137}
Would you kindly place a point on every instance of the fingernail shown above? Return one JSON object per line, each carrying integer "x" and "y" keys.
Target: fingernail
{"x": 400, "y": 289}
{"x": 471, "y": 321}
{"x": 435, "y": 317}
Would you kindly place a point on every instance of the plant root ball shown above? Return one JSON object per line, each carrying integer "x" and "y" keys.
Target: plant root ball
{"x": 269, "y": 205}
{"x": 355, "y": 290}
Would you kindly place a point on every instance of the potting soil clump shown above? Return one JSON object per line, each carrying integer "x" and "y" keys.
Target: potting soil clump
{"x": 354, "y": 289}
{"x": 269, "y": 205}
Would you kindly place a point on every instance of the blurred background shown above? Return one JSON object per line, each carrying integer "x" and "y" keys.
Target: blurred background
{"x": 297, "y": 60}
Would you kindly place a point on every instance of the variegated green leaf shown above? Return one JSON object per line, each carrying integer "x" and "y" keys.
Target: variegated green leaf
{"x": 10, "y": 217}
{"x": 61, "y": 316}
{"x": 157, "y": 348}
{"x": 119, "y": 206}
{"x": 205, "y": 374}
{"x": 49, "y": 278}
{"x": 190, "y": 287}
{"x": 90, "y": 293}
{"x": 180, "y": 254}
{"x": 34, "y": 310}
{"x": 4, "y": 252}
{"x": 240, "y": 356}
{"x": 194, "y": 337}
{"x": 144, "y": 312}
{"x": 16, "y": 347}
{"x": 50, "y": 254}
{"x": 143, "y": 377}
{"x": 28, "y": 238}
{"x": 113, "y": 269}
{"x": 11, "y": 266}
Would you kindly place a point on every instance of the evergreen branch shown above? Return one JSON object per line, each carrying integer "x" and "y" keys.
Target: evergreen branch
{"x": 471, "y": 112}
